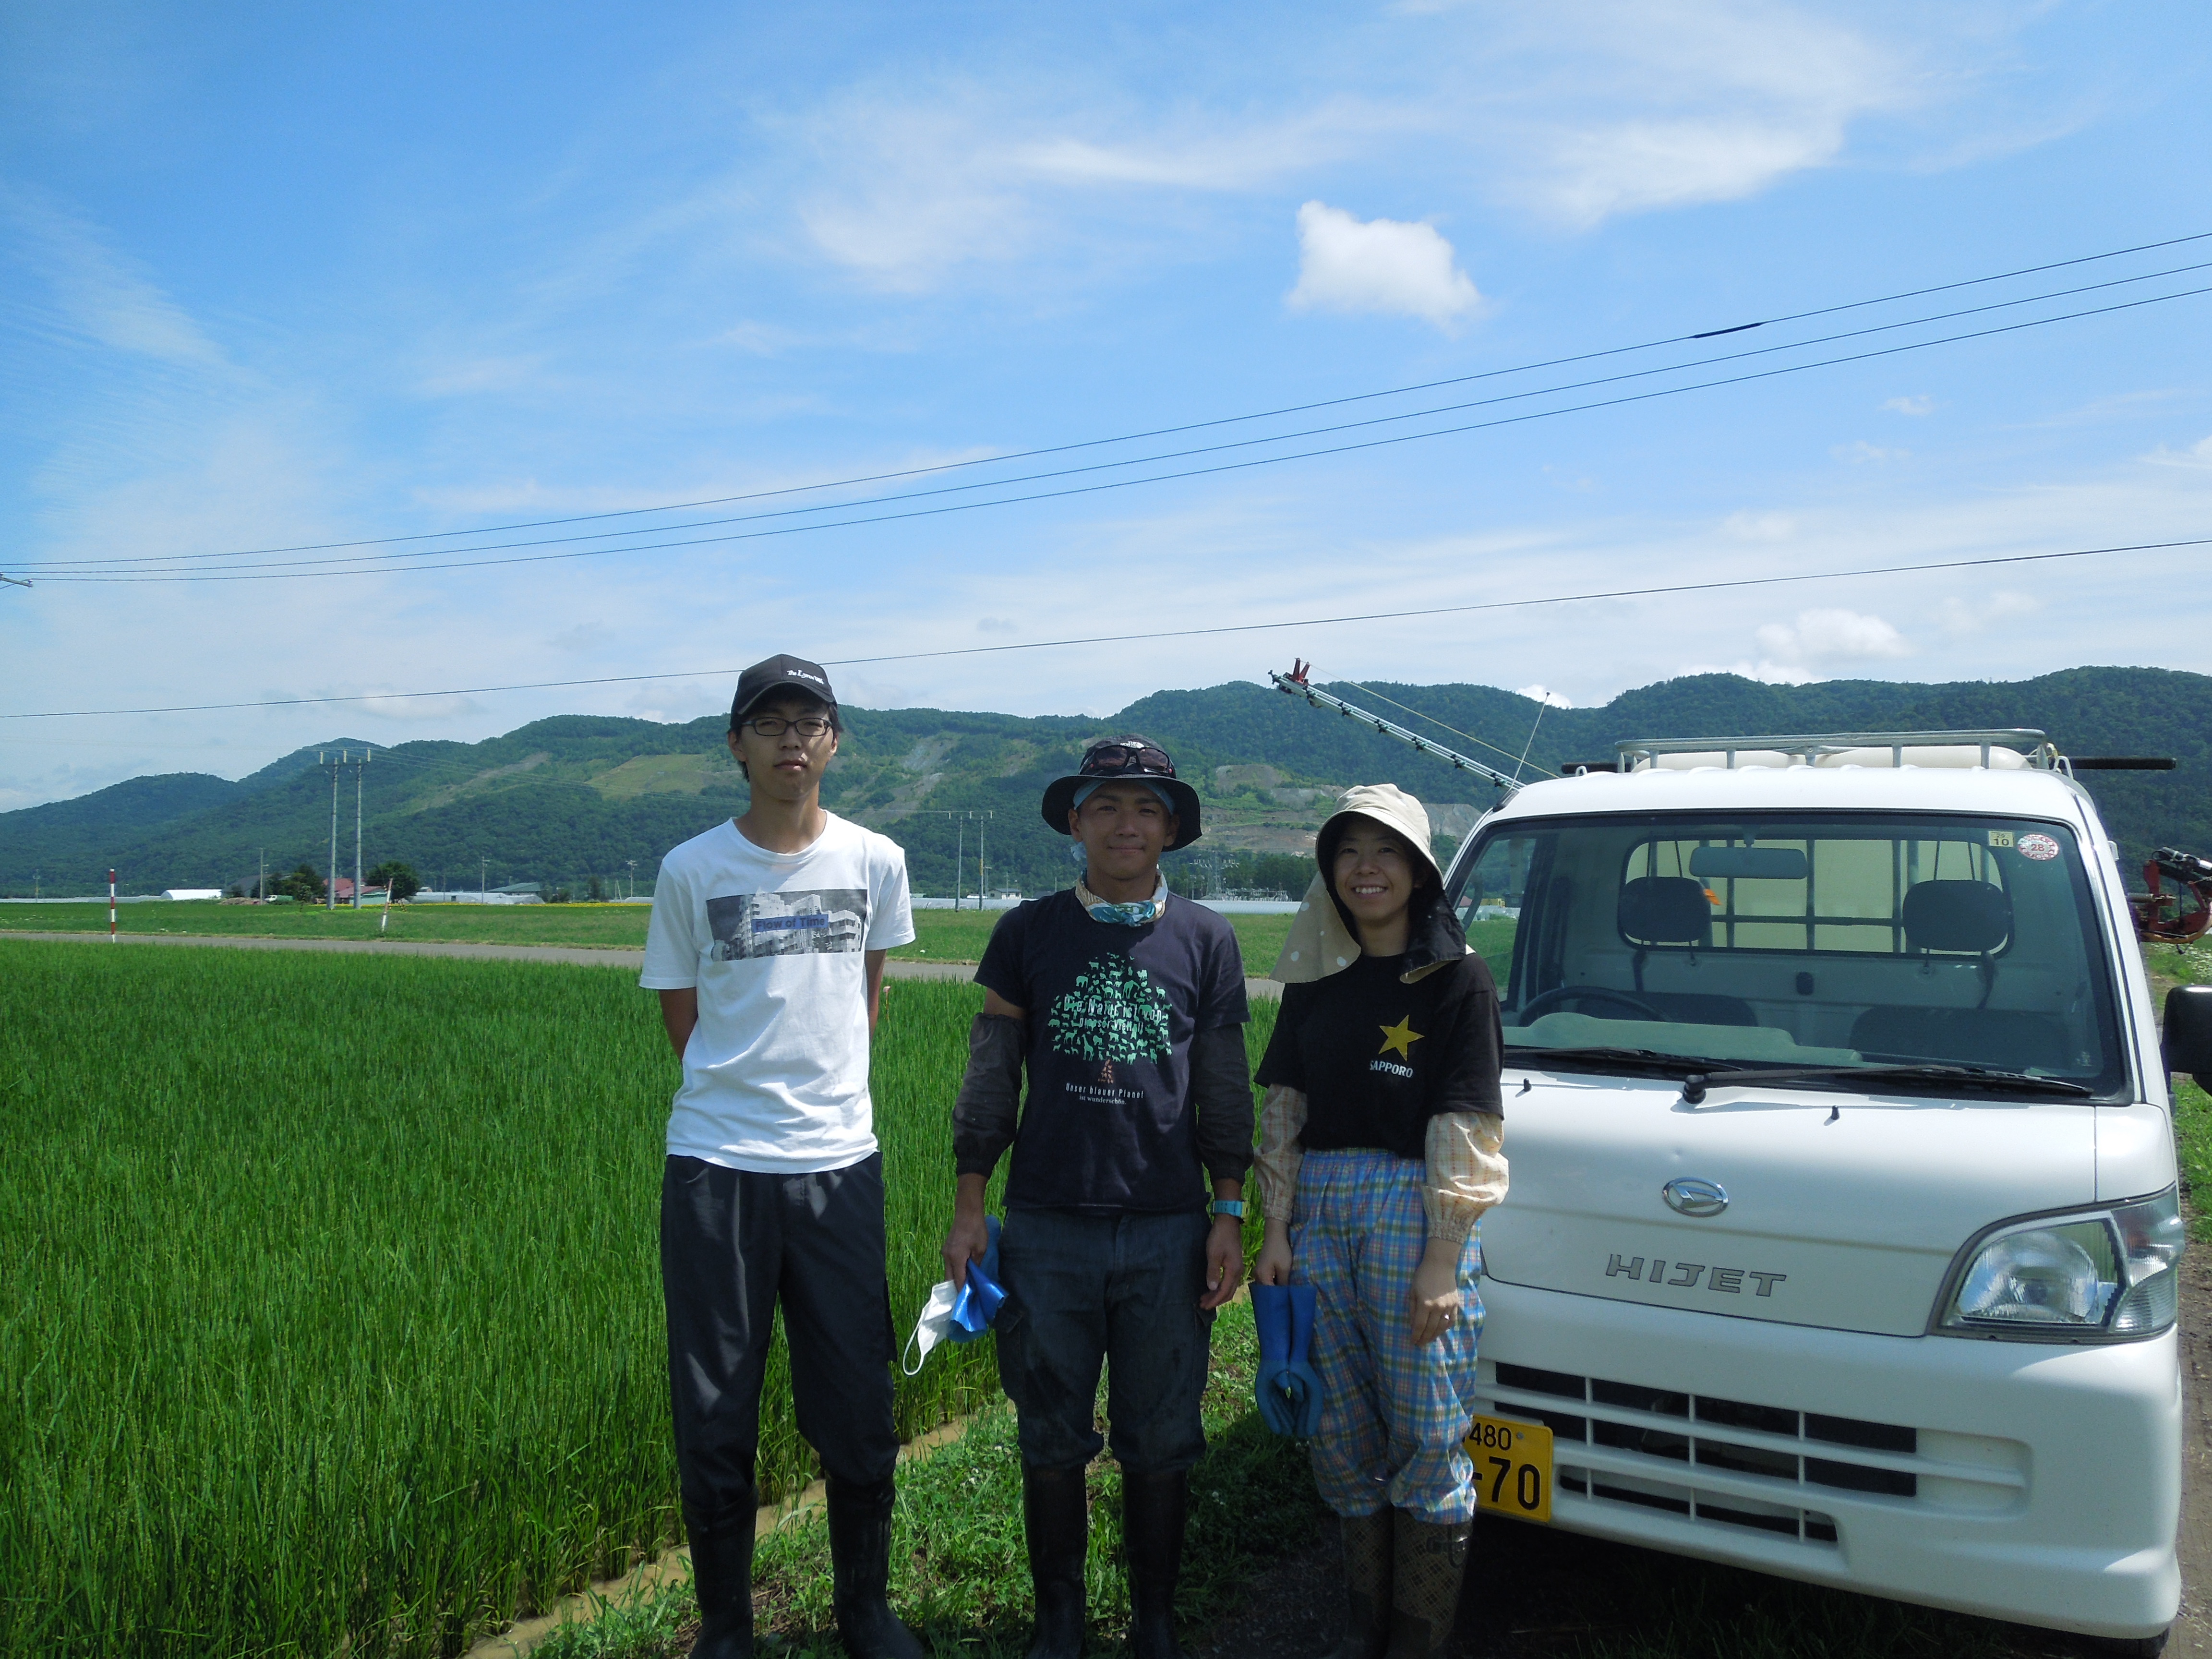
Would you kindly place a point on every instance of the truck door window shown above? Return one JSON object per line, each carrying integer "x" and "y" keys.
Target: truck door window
{"x": 1875, "y": 939}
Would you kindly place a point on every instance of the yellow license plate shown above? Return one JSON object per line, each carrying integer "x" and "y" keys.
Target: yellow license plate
{"x": 1512, "y": 1466}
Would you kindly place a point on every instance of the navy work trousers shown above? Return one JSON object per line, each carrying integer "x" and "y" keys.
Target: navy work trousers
{"x": 1121, "y": 1289}
{"x": 734, "y": 1243}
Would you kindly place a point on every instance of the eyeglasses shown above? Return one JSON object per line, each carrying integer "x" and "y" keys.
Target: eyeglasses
{"x": 1112, "y": 759}
{"x": 809, "y": 726}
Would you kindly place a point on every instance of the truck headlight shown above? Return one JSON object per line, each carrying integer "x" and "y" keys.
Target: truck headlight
{"x": 2107, "y": 1276}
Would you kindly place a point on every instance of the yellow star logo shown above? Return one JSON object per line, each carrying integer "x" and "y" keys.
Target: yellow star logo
{"x": 1402, "y": 1036}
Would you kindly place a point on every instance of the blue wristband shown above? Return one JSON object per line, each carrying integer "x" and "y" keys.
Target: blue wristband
{"x": 1227, "y": 1206}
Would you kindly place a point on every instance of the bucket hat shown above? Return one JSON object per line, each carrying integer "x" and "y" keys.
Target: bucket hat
{"x": 1125, "y": 760}
{"x": 1322, "y": 939}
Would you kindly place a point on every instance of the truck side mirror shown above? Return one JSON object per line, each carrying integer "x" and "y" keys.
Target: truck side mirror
{"x": 2188, "y": 1042}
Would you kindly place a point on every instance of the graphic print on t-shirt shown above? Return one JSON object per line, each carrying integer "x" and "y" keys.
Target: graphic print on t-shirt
{"x": 1400, "y": 1037}
{"x": 1114, "y": 1011}
{"x": 827, "y": 921}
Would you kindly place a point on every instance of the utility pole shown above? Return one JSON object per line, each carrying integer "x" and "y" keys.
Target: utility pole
{"x": 261, "y": 881}
{"x": 982, "y": 887}
{"x": 13, "y": 581}
{"x": 629, "y": 888}
{"x": 330, "y": 880}
{"x": 357, "y": 771}
{"x": 483, "y": 878}
{"x": 111, "y": 907}
{"x": 959, "y": 860}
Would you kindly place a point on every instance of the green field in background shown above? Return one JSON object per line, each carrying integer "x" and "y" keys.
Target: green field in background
{"x": 330, "y": 1306}
{"x": 939, "y": 935}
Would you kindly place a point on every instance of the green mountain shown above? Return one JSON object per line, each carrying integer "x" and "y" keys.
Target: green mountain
{"x": 574, "y": 797}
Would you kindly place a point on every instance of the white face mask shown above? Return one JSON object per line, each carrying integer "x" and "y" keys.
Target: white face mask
{"x": 934, "y": 1325}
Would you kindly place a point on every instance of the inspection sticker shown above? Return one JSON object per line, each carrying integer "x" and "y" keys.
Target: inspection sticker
{"x": 2000, "y": 837}
{"x": 2038, "y": 847}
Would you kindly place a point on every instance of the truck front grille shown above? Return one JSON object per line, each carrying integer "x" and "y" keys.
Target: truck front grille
{"x": 1648, "y": 1447}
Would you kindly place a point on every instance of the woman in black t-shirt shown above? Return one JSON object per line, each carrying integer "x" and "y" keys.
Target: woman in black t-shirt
{"x": 1382, "y": 1120}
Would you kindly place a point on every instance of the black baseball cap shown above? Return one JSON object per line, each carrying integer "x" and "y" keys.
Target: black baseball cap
{"x": 765, "y": 679}
{"x": 1125, "y": 760}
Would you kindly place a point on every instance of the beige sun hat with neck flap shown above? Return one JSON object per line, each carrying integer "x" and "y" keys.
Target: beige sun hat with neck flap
{"x": 1322, "y": 942}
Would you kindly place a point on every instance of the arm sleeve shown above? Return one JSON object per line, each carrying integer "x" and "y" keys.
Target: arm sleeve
{"x": 1475, "y": 1043}
{"x": 1221, "y": 1001}
{"x": 671, "y": 947}
{"x": 983, "y": 1116}
{"x": 1002, "y": 969}
{"x": 1221, "y": 1094}
{"x": 1465, "y": 1172}
{"x": 1282, "y": 1120}
{"x": 891, "y": 912}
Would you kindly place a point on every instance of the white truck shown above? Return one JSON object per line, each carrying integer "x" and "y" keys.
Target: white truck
{"x": 1844, "y": 1229}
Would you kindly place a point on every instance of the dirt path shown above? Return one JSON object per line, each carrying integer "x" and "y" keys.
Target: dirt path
{"x": 578, "y": 955}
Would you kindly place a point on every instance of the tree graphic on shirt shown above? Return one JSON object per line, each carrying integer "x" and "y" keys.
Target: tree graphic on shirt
{"x": 1113, "y": 1013}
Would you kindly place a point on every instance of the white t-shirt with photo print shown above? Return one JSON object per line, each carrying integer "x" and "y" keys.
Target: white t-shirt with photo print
{"x": 775, "y": 1075}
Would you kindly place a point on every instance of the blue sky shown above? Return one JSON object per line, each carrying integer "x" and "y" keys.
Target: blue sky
{"x": 270, "y": 278}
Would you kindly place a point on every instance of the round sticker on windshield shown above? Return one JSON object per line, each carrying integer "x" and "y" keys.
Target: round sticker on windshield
{"x": 2038, "y": 847}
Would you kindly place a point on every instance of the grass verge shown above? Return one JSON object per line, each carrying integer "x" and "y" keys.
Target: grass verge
{"x": 959, "y": 1575}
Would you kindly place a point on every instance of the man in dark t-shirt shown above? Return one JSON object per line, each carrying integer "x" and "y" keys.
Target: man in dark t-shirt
{"x": 1128, "y": 1009}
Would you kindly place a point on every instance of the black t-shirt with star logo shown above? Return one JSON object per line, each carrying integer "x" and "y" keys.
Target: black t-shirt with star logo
{"x": 1377, "y": 1059}
{"x": 1108, "y": 1124}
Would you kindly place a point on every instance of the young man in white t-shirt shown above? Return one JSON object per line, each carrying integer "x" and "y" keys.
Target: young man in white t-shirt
{"x": 767, "y": 946}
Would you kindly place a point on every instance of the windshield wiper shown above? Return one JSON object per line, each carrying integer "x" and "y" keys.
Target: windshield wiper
{"x": 1650, "y": 1059}
{"x": 1695, "y": 1085}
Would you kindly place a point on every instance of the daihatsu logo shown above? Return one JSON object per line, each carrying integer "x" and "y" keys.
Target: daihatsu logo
{"x": 1691, "y": 1196}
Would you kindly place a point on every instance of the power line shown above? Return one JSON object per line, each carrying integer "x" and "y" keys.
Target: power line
{"x": 1163, "y": 634}
{"x": 1195, "y": 426}
{"x": 1191, "y": 472}
{"x": 364, "y": 563}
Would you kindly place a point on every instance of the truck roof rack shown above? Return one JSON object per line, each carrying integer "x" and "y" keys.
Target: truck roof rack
{"x": 2034, "y": 748}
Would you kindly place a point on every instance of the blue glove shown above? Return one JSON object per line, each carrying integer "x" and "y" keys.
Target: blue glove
{"x": 1281, "y": 1393}
{"x": 1299, "y": 1382}
{"x": 977, "y": 1304}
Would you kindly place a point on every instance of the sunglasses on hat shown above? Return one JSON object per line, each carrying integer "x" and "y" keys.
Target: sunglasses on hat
{"x": 1110, "y": 760}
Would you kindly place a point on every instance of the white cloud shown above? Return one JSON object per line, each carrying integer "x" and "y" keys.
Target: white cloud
{"x": 1919, "y": 404}
{"x": 1379, "y": 264}
{"x": 100, "y": 293}
{"x": 1824, "y": 636}
{"x": 1539, "y": 694}
{"x": 1862, "y": 453}
{"x": 1651, "y": 104}
{"x": 1759, "y": 526}
{"x": 2199, "y": 454}
{"x": 995, "y": 625}
{"x": 1961, "y": 618}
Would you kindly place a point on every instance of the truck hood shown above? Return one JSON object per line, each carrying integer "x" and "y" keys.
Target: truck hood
{"x": 1843, "y": 1209}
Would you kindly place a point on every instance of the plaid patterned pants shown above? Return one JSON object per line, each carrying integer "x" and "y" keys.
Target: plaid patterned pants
{"x": 1392, "y": 1415}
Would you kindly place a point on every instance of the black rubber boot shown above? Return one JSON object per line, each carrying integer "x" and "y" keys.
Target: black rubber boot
{"x": 723, "y": 1577}
{"x": 1152, "y": 1511}
{"x": 1428, "y": 1561}
{"x": 1057, "y": 1526}
{"x": 1367, "y": 1557}
{"x": 860, "y": 1563}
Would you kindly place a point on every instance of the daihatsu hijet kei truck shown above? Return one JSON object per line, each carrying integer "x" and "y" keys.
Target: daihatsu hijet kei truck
{"x": 1844, "y": 1228}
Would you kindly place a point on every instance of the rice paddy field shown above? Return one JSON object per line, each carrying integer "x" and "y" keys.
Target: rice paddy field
{"x": 330, "y": 1313}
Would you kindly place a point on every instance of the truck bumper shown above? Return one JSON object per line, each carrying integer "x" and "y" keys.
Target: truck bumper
{"x": 2036, "y": 1483}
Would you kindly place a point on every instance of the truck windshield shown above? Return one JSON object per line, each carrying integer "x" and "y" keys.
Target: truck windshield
{"x": 1795, "y": 941}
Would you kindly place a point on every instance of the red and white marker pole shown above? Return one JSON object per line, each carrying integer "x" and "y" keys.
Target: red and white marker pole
{"x": 111, "y": 907}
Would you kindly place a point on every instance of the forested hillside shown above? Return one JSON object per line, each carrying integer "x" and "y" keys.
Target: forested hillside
{"x": 576, "y": 797}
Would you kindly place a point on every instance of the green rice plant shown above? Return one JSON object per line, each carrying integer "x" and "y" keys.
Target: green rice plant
{"x": 330, "y": 1312}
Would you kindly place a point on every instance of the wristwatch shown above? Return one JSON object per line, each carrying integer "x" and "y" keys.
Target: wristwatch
{"x": 1226, "y": 1206}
